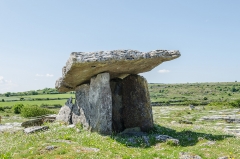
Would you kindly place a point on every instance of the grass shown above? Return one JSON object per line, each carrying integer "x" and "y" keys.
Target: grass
{"x": 69, "y": 143}
{"x": 199, "y": 93}
{"x": 50, "y": 102}
{"x": 41, "y": 96}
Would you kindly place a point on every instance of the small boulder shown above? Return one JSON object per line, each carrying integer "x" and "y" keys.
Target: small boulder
{"x": 65, "y": 113}
{"x": 35, "y": 129}
{"x": 186, "y": 155}
{"x": 33, "y": 122}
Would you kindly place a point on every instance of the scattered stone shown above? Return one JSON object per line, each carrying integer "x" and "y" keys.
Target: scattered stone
{"x": 33, "y": 122}
{"x": 35, "y": 129}
{"x": 131, "y": 141}
{"x": 191, "y": 107}
{"x": 88, "y": 149}
{"x": 209, "y": 143}
{"x": 185, "y": 122}
{"x": 186, "y": 155}
{"x": 234, "y": 120}
{"x": 71, "y": 126}
{"x": 136, "y": 131}
{"x": 65, "y": 113}
{"x": 174, "y": 142}
{"x": 82, "y": 66}
{"x": 50, "y": 148}
{"x": 146, "y": 140}
{"x": 173, "y": 122}
{"x": 137, "y": 110}
{"x": 225, "y": 157}
{"x": 78, "y": 130}
{"x": 200, "y": 138}
{"x": 50, "y": 118}
{"x": 63, "y": 141}
{"x": 162, "y": 138}
{"x": 10, "y": 127}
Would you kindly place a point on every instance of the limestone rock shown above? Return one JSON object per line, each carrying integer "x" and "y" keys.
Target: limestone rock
{"x": 100, "y": 102}
{"x": 95, "y": 104}
{"x": 33, "y": 122}
{"x": 81, "y": 66}
{"x": 49, "y": 118}
{"x": 75, "y": 114}
{"x": 186, "y": 155}
{"x": 137, "y": 110}
{"x": 82, "y": 102}
{"x": 65, "y": 113}
{"x": 117, "y": 108}
{"x": 136, "y": 131}
{"x": 35, "y": 129}
{"x": 10, "y": 127}
{"x": 52, "y": 147}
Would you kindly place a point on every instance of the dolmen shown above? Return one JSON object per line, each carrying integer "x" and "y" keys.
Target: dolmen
{"x": 110, "y": 95}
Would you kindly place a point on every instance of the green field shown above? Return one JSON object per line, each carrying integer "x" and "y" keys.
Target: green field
{"x": 29, "y": 97}
{"x": 198, "y": 93}
{"x": 49, "y": 102}
{"x": 163, "y": 94}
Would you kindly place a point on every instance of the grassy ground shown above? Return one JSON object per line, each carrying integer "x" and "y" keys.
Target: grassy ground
{"x": 179, "y": 94}
{"x": 41, "y": 96}
{"x": 69, "y": 143}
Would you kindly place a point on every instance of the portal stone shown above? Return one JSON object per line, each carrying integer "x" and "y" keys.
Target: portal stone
{"x": 137, "y": 110}
{"x": 100, "y": 102}
{"x": 82, "y": 102}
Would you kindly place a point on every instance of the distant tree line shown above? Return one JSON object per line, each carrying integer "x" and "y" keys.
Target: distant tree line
{"x": 34, "y": 92}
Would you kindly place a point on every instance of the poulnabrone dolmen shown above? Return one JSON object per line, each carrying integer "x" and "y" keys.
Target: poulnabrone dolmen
{"x": 110, "y": 95}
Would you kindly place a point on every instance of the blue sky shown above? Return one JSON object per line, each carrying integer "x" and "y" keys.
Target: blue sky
{"x": 37, "y": 37}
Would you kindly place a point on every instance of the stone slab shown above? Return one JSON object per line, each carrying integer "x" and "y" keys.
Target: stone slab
{"x": 35, "y": 129}
{"x": 82, "y": 66}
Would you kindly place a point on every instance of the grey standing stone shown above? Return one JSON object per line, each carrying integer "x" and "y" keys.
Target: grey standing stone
{"x": 137, "y": 110}
{"x": 117, "y": 108}
{"x": 100, "y": 100}
{"x": 82, "y": 102}
{"x": 75, "y": 114}
{"x": 65, "y": 113}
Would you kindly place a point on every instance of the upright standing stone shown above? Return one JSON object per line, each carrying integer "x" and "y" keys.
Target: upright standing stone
{"x": 82, "y": 101}
{"x": 137, "y": 110}
{"x": 100, "y": 102}
{"x": 117, "y": 109}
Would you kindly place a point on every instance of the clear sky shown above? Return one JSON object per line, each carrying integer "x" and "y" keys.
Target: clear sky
{"x": 37, "y": 37}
